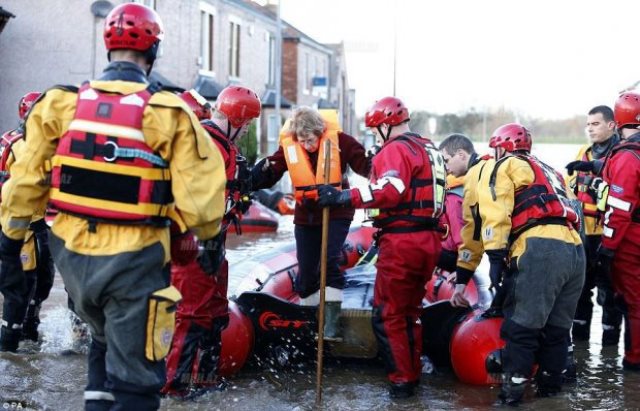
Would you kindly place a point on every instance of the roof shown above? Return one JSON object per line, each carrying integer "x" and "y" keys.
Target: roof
{"x": 155, "y": 76}
{"x": 208, "y": 87}
{"x": 5, "y": 14}
{"x": 269, "y": 100}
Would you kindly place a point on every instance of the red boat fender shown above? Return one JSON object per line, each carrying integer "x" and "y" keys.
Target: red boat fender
{"x": 237, "y": 342}
{"x": 476, "y": 350}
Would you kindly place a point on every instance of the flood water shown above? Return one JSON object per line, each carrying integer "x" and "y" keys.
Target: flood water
{"x": 45, "y": 379}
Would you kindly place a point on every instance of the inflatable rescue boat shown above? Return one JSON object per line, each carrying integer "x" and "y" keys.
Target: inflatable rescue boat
{"x": 268, "y": 325}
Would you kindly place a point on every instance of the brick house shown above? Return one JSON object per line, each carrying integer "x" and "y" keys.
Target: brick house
{"x": 208, "y": 44}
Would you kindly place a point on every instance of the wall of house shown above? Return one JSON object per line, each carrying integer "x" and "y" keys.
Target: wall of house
{"x": 290, "y": 69}
{"x": 47, "y": 43}
{"x": 312, "y": 61}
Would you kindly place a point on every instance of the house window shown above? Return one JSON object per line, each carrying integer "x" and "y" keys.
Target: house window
{"x": 273, "y": 133}
{"x": 234, "y": 49}
{"x": 207, "y": 26}
{"x": 271, "y": 74}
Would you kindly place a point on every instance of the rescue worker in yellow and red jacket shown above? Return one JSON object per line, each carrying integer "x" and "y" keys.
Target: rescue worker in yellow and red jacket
{"x": 619, "y": 253}
{"x": 302, "y": 153}
{"x": 602, "y": 132}
{"x": 203, "y": 313}
{"x": 525, "y": 223}
{"x": 407, "y": 185}
{"x": 24, "y": 295}
{"x": 124, "y": 157}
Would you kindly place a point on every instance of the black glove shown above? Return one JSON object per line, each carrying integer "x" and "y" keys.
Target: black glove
{"x": 212, "y": 254}
{"x": 603, "y": 264}
{"x": 43, "y": 255}
{"x": 260, "y": 173}
{"x": 580, "y": 166}
{"x": 372, "y": 151}
{"x": 447, "y": 260}
{"x": 330, "y": 196}
{"x": 243, "y": 204}
{"x": 498, "y": 261}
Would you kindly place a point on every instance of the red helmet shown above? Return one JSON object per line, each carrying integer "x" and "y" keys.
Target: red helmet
{"x": 239, "y": 104}
{"x": 200, "y": 106}
{"x": 511, "y": 137}
{"x": 26, "y": 102}
{"x": 476, "y": 350}
{"x": 627, "y": 109}
{"x": 132, "y": 26}
{"x": 389, "y": 110}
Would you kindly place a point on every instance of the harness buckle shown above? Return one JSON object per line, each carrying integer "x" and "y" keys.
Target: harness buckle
{"x": 115, "y": 149}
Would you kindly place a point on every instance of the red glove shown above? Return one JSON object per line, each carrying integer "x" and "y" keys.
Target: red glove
{"x": 184, "y": 247}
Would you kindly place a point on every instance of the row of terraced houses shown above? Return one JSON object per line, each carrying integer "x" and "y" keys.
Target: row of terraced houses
{"x": 208, "y": 45}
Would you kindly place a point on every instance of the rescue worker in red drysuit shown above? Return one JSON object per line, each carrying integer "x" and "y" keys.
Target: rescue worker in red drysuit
{"x": 407, "y": 185}
{"x": 527, "y": 226}
{"x": 24, "y": 295}
{"x": 301, "y": 153}
{"x": 118, "y": 158}
{"x": 601, "y": 128}
{"x": 619, "y": 253}
{"x": 203, "y": 313}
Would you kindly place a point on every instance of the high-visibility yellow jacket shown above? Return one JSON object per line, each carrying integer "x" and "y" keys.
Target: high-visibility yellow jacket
{"x": 170, "y": 129}
{"x": 592, "y": 225}
{"x": 471, "y": 249}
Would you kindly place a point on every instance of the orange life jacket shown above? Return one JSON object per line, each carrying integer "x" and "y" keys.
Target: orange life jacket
{"x": 305, "y": 180}
{"x": 103, "y": 169}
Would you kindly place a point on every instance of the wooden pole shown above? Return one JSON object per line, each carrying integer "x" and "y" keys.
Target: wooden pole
{"x": 323, "y": 274}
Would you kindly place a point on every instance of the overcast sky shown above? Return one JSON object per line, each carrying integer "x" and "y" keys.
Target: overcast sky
{"x": 543, "y": 58}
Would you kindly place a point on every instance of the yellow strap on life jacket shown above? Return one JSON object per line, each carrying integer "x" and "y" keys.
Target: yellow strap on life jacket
{"x": 155, "y": 174}
{"x": 140, "y": 208}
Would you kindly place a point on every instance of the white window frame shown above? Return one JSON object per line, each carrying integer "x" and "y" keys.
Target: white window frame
{"x": 306, "y": 80}
{"x": 235, "y": 27}
{"x": 208, "y": 14}
{"x": 271, "y": 58}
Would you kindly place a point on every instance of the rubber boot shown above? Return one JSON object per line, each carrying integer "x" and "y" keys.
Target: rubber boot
{"x": 9, "y": 339}
{"x": 548, "y": 384}
{"x": 403, "y": 390}
{"x": 512, "y": 390}
{"x": 610, "y": 336}
{"x": 332, "y": 320}
{"x": 31, "y": 322}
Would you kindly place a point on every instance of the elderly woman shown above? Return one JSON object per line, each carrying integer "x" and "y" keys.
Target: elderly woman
{"x": 301, "y": 145}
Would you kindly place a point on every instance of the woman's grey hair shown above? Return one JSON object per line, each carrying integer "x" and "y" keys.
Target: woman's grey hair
{"x": 306, "y": 120}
